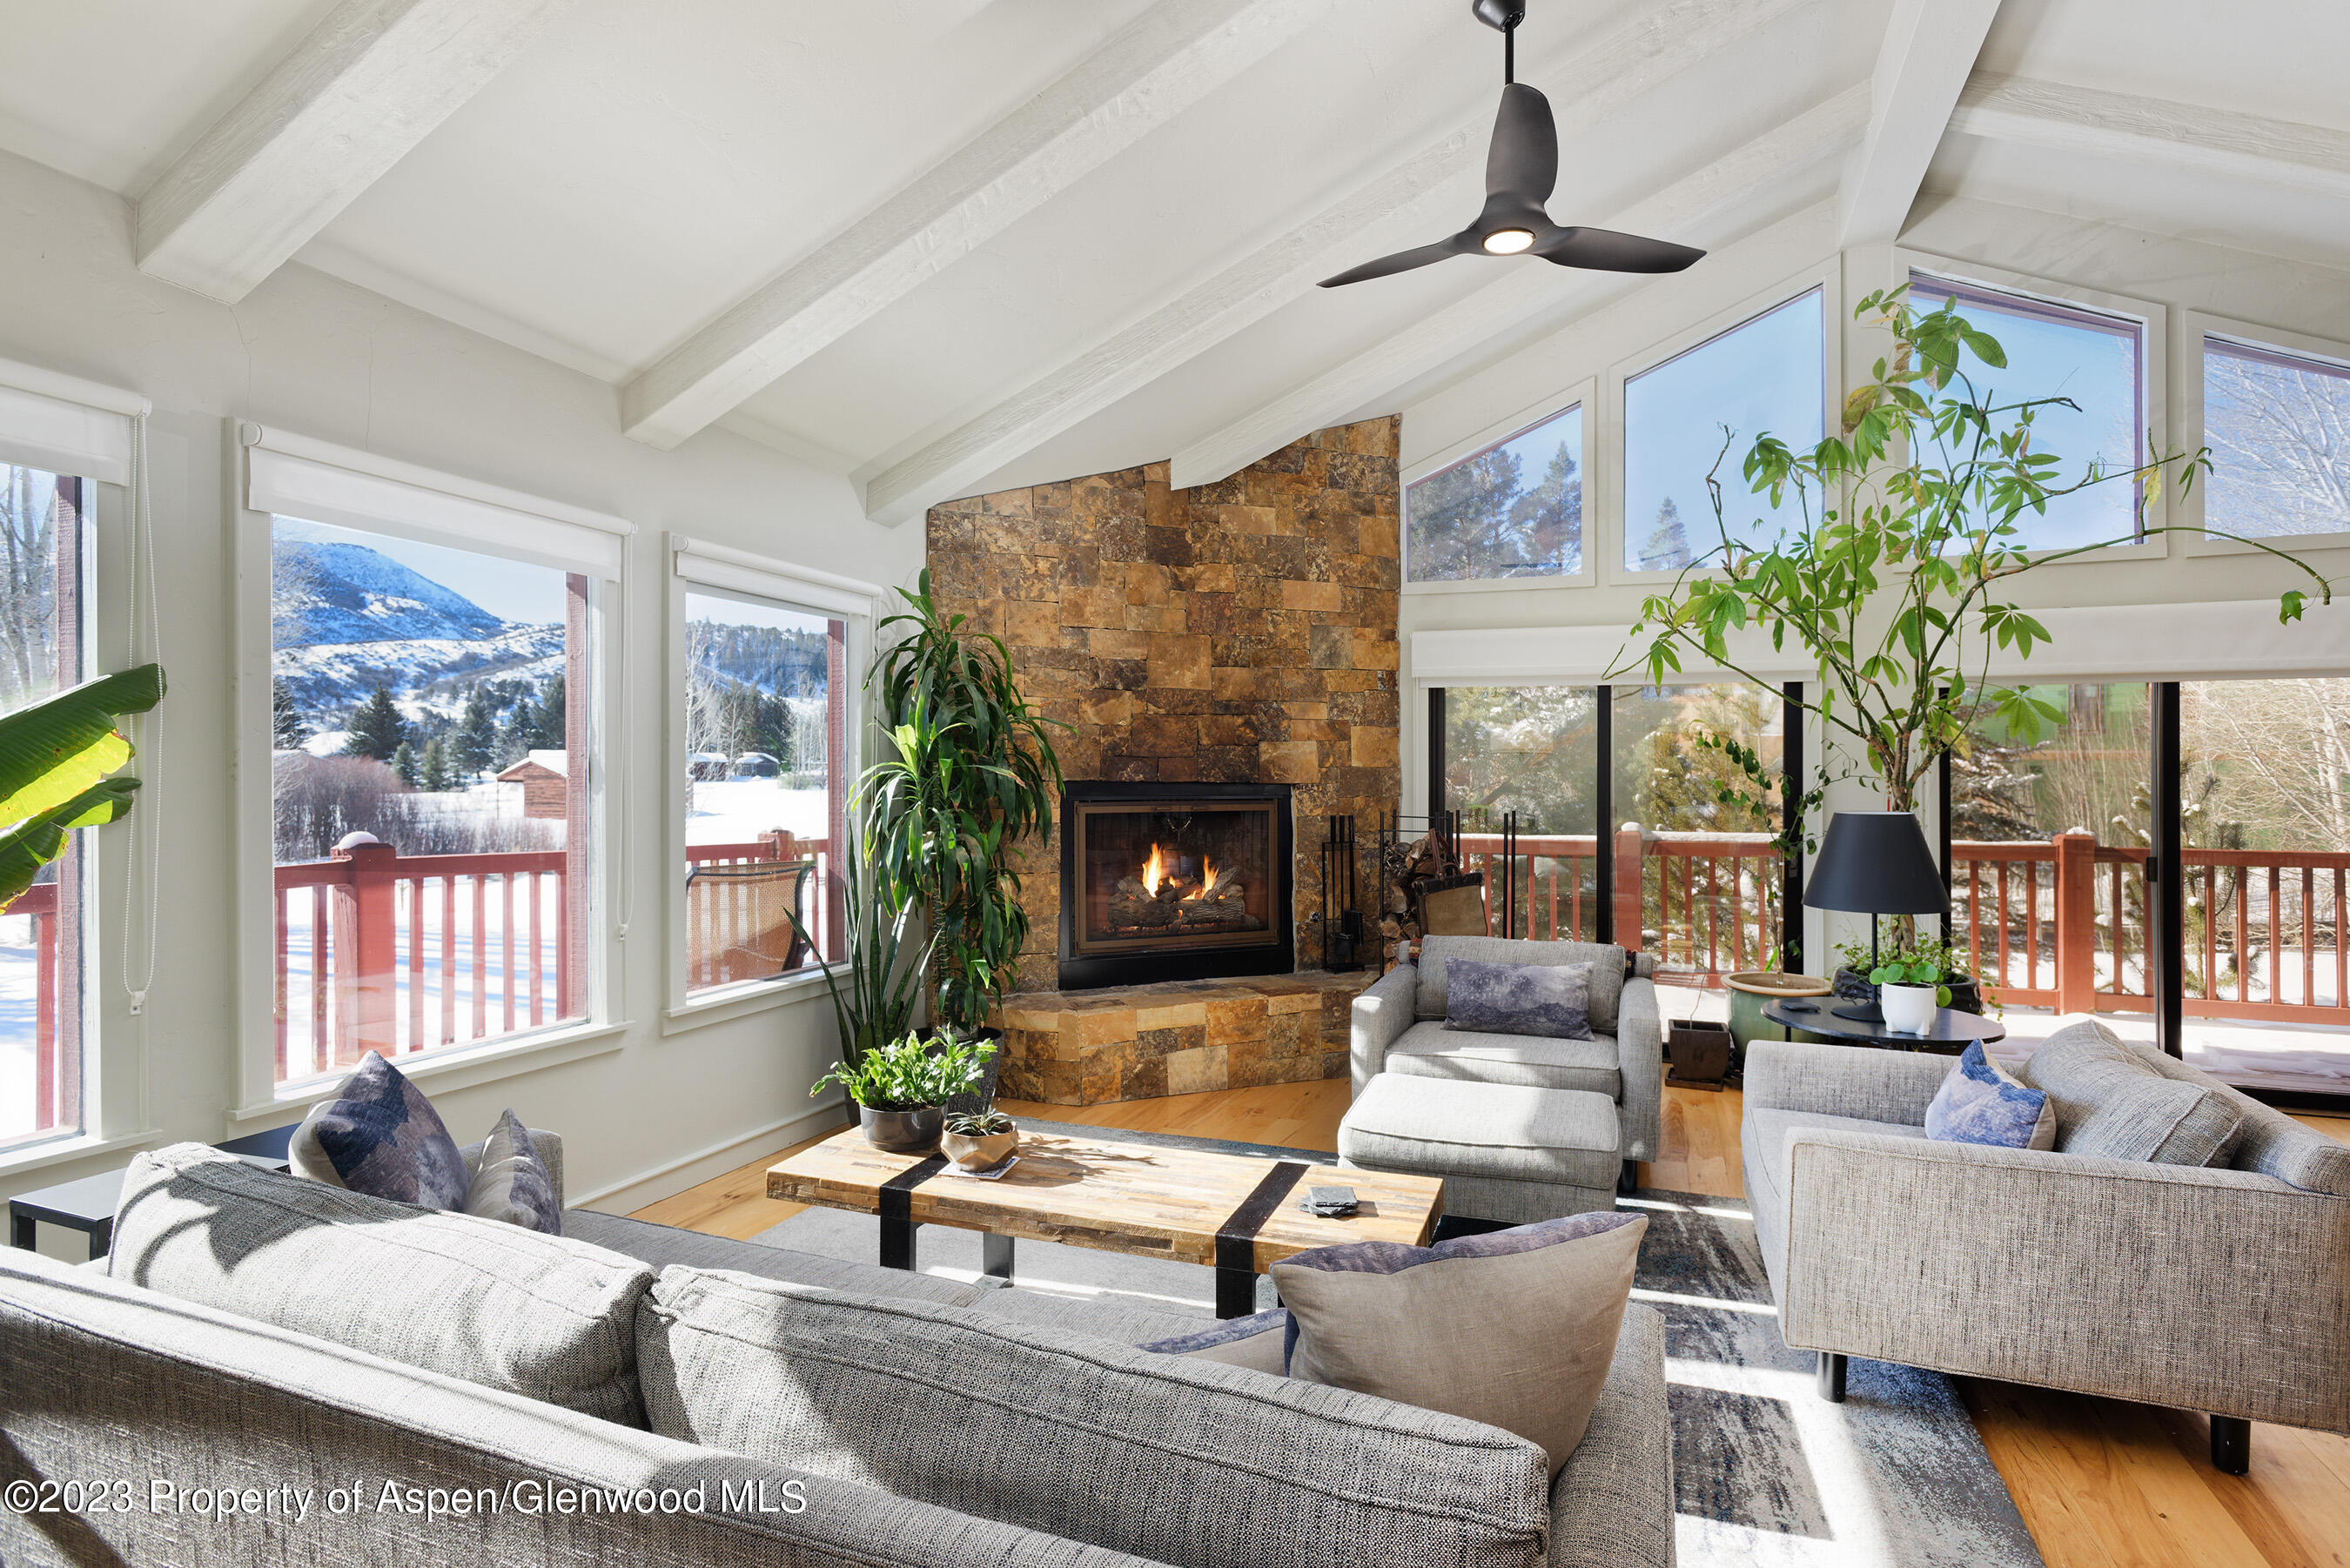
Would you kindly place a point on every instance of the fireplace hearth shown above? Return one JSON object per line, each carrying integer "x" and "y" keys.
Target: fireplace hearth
{"x": 1166, "y": 882}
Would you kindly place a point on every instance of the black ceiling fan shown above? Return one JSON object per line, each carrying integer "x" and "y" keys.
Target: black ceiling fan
{"x": 1521, "y": 171}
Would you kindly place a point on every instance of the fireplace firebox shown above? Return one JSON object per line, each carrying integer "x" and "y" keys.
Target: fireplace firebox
{"x": 1174, "y": 881}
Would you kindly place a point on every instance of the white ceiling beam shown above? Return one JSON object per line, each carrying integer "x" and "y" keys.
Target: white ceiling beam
{"x": 2274, "y": 153}
{"x": 1176, "y": 55}
{"x": 1597, "y": 82}
{"x": 364, "y": 87}
{"x": 1929, "y": 47}
{"x": 1526, "y": 290}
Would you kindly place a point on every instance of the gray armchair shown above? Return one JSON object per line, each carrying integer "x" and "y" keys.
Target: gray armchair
{"x": 1581, "y": 1111}
{"x": 2226, "y": 1291}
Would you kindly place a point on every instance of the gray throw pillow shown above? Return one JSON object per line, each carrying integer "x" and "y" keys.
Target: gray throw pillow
{"x": 378, "y": 1135}
{"x": 1514, "y": 1328}
{"x": 2114, "y": 1103}
{"x": 1610, "y": 966}
{"x": 1259, "y": 1341}
{"x": 512, "y": 1183}
{"x": 1550, "y": 1001}
{"x": 1160, "y": 1456}
{"x": 550, "y": 1319}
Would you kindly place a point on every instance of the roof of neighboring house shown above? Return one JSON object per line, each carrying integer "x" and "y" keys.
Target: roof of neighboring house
{"x": 534, "y": 765}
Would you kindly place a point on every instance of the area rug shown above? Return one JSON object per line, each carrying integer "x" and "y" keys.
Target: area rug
{"x": 1766, "y": 1472}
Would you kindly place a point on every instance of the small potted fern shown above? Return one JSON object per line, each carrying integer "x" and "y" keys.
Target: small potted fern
{"x": 902, "y": 1089}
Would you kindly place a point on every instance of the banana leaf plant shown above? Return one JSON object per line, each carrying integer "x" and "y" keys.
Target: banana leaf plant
{"x": 56, "y": 759}
{"x": 966, "y": 772}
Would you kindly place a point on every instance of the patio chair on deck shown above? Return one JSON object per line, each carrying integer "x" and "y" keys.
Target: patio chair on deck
{"x": 738, "y": 921}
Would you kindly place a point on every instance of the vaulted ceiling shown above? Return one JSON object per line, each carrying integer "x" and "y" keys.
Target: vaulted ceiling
{"x": 944, "y": 245}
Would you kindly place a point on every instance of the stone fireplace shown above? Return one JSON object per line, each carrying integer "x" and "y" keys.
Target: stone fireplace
{"x": 1166, "y": 882}
{"x": 1239, "y": 636}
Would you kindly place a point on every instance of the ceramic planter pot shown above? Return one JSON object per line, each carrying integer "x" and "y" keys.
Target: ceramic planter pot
{"x": 1966, "y": 995}
{"x": 1751, "y": 991}
{"x": 902, "y": 1132}
{"x": 979, "y": 1153}
{"x": 1909, "y": 1009}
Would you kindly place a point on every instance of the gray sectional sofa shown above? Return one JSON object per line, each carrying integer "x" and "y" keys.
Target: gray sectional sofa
{"x": 201, "y": 1434}
{"x": 2225, "y": 1290}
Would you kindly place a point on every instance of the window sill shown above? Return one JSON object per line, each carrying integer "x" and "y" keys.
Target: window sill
{"x": 734, "y": 1001}
{"x": 461, "y": 1069}
{"x": 1546, "y": 582}
{"x": 63, "y": 1151}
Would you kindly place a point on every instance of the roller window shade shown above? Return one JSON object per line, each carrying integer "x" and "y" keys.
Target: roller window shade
{"x": 293, "y": 476}
{"x": 721, "y": 567}
{"x": 63, "y": 424}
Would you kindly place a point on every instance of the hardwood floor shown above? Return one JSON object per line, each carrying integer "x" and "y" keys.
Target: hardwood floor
{"x": 2100, "y": 1483}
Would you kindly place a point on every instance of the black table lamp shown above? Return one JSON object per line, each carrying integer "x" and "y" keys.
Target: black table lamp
{"x": 1874, "y": 862}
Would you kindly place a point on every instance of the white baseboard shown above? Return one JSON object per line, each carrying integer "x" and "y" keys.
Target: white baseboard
{"x": 668, "y": 1180}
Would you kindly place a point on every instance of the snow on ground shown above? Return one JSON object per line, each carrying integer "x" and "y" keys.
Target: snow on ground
{"x": 736, "y": 811}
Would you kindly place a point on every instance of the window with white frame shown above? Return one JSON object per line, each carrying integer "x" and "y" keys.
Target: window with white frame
{"x": 1765, "y": 376}
{"x": 761, "y": 659}
{"x": 2278, "y": 425}
{"x": 1514, "y": 509}
{"x": 45, "y": 934}
{"x": 433, "y": 757}
{"x": 2095, "y": 359}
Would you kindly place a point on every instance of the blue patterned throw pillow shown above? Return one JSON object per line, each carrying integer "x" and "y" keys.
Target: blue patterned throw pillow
{"x": 1981, "y": 1103}
{"x": 1549, "y": 1000}
{"x": 1259, "y": 1341}
{"x": 512, "y": 1183}
{"x": 381, "y": 1136}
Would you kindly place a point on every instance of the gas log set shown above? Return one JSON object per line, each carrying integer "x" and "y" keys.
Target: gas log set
{"x": 1168, "y": 896}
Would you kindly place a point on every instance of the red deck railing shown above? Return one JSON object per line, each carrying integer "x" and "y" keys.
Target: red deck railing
{"x": 1696, "y": 899}
{"x": 40, "y": 903}
{"x": 378, "y": 950}
{"x": 2061, "y": 923}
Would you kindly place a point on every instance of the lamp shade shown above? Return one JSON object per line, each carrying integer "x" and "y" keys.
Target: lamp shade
{"x": 1875, "y": 863}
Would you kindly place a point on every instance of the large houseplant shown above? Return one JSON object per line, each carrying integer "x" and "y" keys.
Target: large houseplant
{"x": 967, "y": 771}
{"x": 55, "y": 756}
{"x": 1909, "y": 520}
{"x": 876, "y": 985}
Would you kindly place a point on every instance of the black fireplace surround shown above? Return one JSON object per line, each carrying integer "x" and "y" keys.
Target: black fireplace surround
{"x": 1174, "y": 881}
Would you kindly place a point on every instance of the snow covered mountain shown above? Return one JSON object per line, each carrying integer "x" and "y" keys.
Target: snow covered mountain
{"x": 348, "y": 619}
{"x": 348, "y": 593}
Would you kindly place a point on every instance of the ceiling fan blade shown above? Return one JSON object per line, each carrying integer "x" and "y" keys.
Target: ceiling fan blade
{"x": 1604, "y": 250}
{"x": 1523, "y": 158}
{"x": 1402, "y": 261}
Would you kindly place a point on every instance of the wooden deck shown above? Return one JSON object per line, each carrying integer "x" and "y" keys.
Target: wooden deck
{"x": 2102, "y": 1484}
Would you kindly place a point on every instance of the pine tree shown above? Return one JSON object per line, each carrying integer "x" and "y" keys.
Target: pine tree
{"x": 477, "y": 733}
{"x": 1667, "y": 550}
{"x": 377, "y": 729}
{"x": 435, "y": 773}
{"x": 520, "y": 733}
{"x": 286, "y": 729}
{"x": 405, "y": 763}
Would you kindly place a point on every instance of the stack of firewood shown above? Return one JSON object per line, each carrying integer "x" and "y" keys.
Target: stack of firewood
{"x": 1180, "y": 902}
{"x": 1405, "y": 867}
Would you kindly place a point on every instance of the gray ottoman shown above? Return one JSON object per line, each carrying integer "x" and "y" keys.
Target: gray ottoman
{"x": 1507, "y": 1151}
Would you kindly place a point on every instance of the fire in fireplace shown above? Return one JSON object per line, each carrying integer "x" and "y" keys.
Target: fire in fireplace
{"x": 1174, "y": 882}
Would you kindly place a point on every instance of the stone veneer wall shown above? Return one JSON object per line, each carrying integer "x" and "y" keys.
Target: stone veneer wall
{"x": 1241, "y": 631}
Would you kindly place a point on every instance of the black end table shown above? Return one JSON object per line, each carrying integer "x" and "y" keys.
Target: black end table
{"x": 1952, "y": 1033}
{"x": 88, "y": 1205}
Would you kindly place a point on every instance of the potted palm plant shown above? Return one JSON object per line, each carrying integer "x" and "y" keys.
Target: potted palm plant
{"x": 966, "y": 772}
{"x": 875, "y": 984}
{"x": 902, "y": 1089}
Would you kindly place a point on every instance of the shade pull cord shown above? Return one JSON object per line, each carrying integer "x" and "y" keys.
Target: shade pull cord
{"x": 146, "y": 729}
{"x": 626, "y": 871}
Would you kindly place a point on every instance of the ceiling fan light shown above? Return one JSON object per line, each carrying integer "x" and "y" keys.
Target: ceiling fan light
{"x": 1508, "y": 242}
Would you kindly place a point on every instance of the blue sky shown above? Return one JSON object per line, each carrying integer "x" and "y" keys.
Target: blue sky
{"x": 2099, "y": 370}
{"x": 1763, "y": 376}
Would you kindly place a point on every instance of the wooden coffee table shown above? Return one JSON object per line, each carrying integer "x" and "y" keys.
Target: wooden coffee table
{"x": 1237, "y": 1214}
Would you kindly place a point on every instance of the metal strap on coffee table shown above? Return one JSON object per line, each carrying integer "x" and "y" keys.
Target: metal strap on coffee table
{"x": 1236, "y": 1240}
